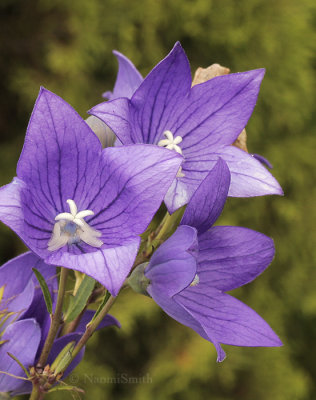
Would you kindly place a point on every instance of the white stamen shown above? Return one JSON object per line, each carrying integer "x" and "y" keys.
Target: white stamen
{"x": 171, "y": 143}
{"x": 195, "y": 281}
{"x": 73, "y": 207}
{"x": 71, "y": 228}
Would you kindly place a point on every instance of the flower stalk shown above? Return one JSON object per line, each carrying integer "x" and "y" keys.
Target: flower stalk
{"x": 56, "y": 319}
{"x": 90, "y": 329}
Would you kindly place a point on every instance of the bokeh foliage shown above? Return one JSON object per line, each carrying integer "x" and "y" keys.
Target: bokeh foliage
{"x": 66, "y": 45}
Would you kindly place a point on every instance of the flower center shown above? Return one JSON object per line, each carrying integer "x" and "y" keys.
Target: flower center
{"x": 71, "y": 228}
{"x": 171, "y": 143}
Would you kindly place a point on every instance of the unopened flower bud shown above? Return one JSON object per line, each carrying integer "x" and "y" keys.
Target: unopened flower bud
{"x": 138, "y": 281}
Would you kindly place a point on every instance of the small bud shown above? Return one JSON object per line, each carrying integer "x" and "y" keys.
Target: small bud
{"x": 138, "y": 281}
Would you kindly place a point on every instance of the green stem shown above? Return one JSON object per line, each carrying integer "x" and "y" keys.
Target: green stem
{"x": 35, "y": 395}
{"x": 56, "y": 319}
{"x": 90, "y": 329}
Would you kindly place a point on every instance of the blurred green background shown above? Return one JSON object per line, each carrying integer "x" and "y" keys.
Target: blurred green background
{"x": 66, "y": 46}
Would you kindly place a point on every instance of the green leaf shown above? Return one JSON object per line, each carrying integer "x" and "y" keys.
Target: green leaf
{"x": 60, "y": 388}
{"x": 45, "y": 290}
{"x": 79, "y": 301}
{"x": 102, "y": 304}
{"x": 63, "y": 358}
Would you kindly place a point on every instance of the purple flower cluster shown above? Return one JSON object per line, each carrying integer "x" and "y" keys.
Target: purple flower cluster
{"x": 83, "y": 207}
{"x": 24, "y": 320}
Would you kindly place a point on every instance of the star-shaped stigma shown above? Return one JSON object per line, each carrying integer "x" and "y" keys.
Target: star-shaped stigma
{"x": 71, "y": 228}
{"x": 171, "y": 143}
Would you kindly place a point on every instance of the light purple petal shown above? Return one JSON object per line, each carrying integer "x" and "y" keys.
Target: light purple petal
{"x": 16, "y": 274}
{"x": 173, "y": 265}
{"x": 230, "y": 257}
{"x": 208, "y": 201}
{"x": 179, "y": 194}
{"x": 23, "y": 339}
{"x": 248, "y": 176}
{"x": 108, "y": 320}
{"x": 110, "y": 266}
{"x": 226, "y": 319}
{"x": 128, "y": 78}
{"x": 11, "y": 207}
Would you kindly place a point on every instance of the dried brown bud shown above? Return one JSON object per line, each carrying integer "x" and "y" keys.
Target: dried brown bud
{"x": 241, "y": 141}
{"x": 205, "y": 74}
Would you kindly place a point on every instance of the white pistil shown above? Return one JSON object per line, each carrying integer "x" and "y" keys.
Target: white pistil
{"x": 195, "y": 281}
{"x": 71, "y": 228}
{"x": 171, "y": 143}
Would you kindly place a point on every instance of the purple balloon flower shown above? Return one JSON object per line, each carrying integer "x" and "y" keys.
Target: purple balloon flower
{"x": 199, "y": 122}
{"x": 189, "y": 274}
{"x": 77, "y": 206}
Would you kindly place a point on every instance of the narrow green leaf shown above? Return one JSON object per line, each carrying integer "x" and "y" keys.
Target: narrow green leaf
{"x": 102, "y": 304}
{"x": 60, "y": 388}
{"x": 20, "y": 364}
{"x": 45, "y": 290}
{"x": 79, "y": 301}
{"x": 63, "y": 358}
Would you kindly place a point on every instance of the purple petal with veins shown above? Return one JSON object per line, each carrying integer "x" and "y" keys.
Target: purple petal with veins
{"x": 207, "y": 118}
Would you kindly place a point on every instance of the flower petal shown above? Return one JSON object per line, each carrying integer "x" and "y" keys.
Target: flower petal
{"x": 208, "y": 201}
{"x": 110, "y": 266}
{"x": 153, "y": 104}
{"x": 173, "y": 265}
{"x": 248, "y": 177}
{"x": 230, "y": 257}
{"x": 11, "y": 206}
{"x": 179, "y": 194}
{"x": 128, "y": 78}
{"x": 115, "y": 114}
{"x": 59, "y": 160}
{"x": 137, "y": 178}
{"x": 23, "y": 339}
{"x": 16, "y": 274}
{"x": 217, "y": 110}
{"x": 226, "y": 319}
{"x": 180, "y": 314}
